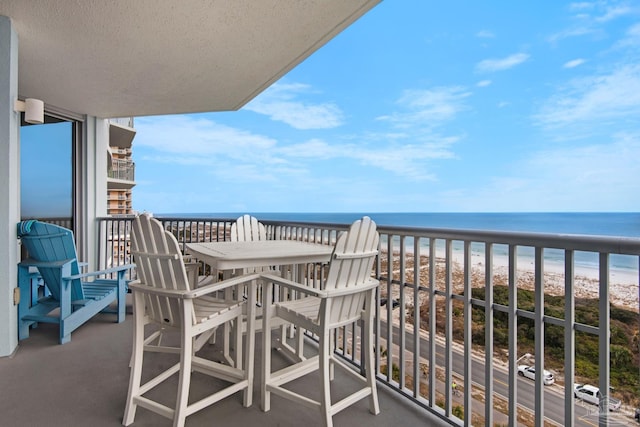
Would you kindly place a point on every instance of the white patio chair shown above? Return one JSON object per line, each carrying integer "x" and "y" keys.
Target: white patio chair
{"x": 246, "y": 229}
{"x": 163, "y": 296}
{"x": 346, "y": 297}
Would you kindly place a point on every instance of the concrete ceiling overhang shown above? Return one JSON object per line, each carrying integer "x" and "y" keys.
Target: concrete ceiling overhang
{"x": 121, "y": 58}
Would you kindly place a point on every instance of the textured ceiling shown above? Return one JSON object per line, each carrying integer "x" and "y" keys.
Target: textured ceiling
{"x": 122, "y": 58}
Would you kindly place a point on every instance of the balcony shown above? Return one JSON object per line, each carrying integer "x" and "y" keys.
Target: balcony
{"x": 501, "y": 278}
{"x": 85, "y": 382}
{"x": 122, "y": 170}
{"x": 456, "y": 279}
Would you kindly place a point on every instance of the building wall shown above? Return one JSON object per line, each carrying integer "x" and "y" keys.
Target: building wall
{"x": 10, "y": 188}
{"x": 121, "y": 177}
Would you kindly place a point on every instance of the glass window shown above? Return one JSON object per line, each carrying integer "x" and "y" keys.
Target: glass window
{"x": 46, "y": 170}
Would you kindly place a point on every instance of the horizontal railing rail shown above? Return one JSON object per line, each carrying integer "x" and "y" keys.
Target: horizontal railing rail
{"x": 435, "y": 282}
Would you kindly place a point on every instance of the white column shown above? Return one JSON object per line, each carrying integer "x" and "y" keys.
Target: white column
{"x": 94, "y": 199}
{"x": 10, "y": 188}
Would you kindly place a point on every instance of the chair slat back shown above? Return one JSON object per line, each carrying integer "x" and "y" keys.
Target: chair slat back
{"x": 159, "y": 264}
{"x": 46, "y": 242}
{"x": 247, "y": 229}
{"x": 351, "y": 265}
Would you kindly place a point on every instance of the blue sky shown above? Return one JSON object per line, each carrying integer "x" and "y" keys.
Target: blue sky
{"x": 423, "y": 106}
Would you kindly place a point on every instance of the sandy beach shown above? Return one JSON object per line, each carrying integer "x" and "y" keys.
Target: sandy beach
{"x": 623, "y": 284}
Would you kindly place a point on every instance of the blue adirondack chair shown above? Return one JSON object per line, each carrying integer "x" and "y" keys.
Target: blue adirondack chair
{"x": 69, "y": 300}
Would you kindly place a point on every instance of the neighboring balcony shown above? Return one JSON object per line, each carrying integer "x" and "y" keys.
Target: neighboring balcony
{"x": 121, "y": 172}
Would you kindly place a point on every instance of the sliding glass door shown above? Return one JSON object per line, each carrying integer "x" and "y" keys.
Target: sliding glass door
{"x": 47, "y": 171}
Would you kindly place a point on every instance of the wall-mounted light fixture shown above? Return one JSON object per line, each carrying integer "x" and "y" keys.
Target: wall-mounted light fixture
{"x": 32, "y": 108}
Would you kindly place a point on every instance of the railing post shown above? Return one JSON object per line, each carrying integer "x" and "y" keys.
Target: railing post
{"x": 468, "y": 333}
{"x": 539, "y": 336}
{"x": 513, "y": 335}
{"x": 604, "y": 329}
{"x": 432, "y": 322}
{"x": 448, "y": 327}
{"x": 488, "y": 334}
{"x": 569, "y": 338}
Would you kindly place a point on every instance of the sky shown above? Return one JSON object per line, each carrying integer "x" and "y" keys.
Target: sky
{"x": 423, "y": 106}
{"x": 46, "y": 165}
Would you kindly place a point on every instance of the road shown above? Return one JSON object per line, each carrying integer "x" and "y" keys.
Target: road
{"x": 553, "y": 394}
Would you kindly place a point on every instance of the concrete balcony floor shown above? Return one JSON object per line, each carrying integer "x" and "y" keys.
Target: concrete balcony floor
{"x": 84, "y": 382}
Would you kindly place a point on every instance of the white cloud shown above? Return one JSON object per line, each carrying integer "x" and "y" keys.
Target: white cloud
{"x": 571, "y": 32}
{"x": 281, "y": 102}
{"x": 490, "y": 65}
{"x": 429, "y": 107}
{"x": 581, "y": 5}
{"x": 631, "y": 39}
{"x": 574, "y": 63}
{"x": 196, "y": 135}
{"x": 592, "y": 18}
{"x": 483, "y": 83}
{"x": 614, "y": 12}
{"x": 594, "y": 100}
{"x": 601, "y": 11}
{"x": 598, "y": 177}
{"x": 485, "y": 34}
{"x": 313, "y": 148}
{"x": 227, "y": 154}
{"x": 400, "y": 158}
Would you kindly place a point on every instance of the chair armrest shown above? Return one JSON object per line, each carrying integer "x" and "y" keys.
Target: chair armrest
{"x": 192, "y": 293}
{"x": 293, "y": 285}
{"x": 136, "y": 286}
{"x": 101, "y": 272}
{"x": 48, "y": 264}
{"x": 221, "y": 285}
{"x": 58, "y": 264}
{"x": 371, "y": 283}
{"x": 326, "y": 293}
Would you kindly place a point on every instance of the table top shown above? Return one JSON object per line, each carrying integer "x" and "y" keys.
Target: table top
{"x": 259, "y": 253}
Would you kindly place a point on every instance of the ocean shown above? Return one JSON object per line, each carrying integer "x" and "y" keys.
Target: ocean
{"x": 605, "y": 223}
{"x": 626, "y": 224}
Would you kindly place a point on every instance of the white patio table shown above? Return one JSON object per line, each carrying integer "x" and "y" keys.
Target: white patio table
{"x": 225, "y": 256}
{"x": 229, "y": 256}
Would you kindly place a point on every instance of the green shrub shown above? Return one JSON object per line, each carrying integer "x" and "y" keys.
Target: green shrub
{"x": 458, "y": 411}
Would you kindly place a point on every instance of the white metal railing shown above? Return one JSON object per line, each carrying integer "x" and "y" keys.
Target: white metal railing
{"x": 427, "y": 278}
{"x": 123, "y": 121}
{"x": 122, "y": 169}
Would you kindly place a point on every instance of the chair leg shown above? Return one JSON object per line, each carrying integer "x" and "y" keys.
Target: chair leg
{"x": 249, "y": 363}
{"x": 186, "y": 358}
{"x": 227, "y": 330}
{"x": 325, "y": 399}
{"x": 122, "y": 291}
{"x": 237, "y": 333}
{"x": 267, "y": 310}
{"x": 136, "y": 361}
{"x": 184, "y": 380}
{"x": 26, "y": 301}
{"x": 367, "y": 344}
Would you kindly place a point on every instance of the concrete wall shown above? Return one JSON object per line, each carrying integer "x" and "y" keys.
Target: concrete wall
{"x": 10, "y": 187}
{"x": 90, "y": 200}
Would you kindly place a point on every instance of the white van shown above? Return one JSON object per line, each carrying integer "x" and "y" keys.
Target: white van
{"x": 592, "y": 395}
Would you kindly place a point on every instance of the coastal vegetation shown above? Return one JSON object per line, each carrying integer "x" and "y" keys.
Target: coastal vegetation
{"x": 624, "y": 322}
{"x": 624, "y": 347}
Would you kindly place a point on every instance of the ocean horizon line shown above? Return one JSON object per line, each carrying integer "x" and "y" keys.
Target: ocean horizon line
{"x": 624, "y": 224}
